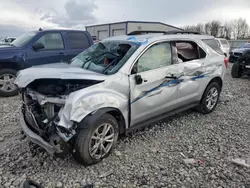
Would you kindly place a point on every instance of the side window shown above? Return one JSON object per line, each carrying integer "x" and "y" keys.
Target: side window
{"x": 188, "y": 51}
{"x": 158, "y": 55}
{"x": 77, "y": 40}
{"x": 51, "y": 41}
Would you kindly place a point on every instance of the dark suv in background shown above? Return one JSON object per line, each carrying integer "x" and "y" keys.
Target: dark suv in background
{"x": 38, "y": 48}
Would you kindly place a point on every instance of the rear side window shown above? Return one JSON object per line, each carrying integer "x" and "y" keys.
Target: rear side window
{"x": 212, "y": 43}
{"x": 188, "y": 51}
{"x": 77, "y": 40}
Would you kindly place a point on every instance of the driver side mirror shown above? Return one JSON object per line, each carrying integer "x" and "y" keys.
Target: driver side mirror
{"x": 138, "y": 79}
{"x": 38, "y": 46}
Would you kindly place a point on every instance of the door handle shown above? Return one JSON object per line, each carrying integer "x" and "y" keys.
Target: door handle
{"x": 61, "y": 53}
{"x": 171, "y": 77}
{"x": 145, "y": 80}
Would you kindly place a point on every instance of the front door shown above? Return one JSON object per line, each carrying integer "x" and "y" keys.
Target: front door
{"x": 152, "y": 94}
{"x": 52, "y": 52}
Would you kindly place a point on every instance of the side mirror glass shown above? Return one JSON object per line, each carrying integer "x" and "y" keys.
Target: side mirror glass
{"x": 138, "y": 79}
{"x": 38, "y": 46}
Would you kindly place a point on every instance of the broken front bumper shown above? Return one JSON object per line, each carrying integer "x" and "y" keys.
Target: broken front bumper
{"x": 36, "y": 138}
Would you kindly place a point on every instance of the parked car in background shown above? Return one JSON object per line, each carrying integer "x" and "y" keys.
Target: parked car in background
{"x": 117, "y": 85}
{"x": 236, "y": 53}
{"x": 242, "y": 66}
{"x": 38, "y": 48}
{"x": 224, "y": 45}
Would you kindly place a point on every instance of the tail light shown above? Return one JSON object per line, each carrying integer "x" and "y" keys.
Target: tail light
{"x": 226, "y": 61}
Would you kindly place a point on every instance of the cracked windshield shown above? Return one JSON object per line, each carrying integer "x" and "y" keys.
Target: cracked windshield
{"x": 103, "y": 94}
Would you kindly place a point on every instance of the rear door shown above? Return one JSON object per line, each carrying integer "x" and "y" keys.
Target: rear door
{"x": 191, "y": 59}
{"x": 76, "y": 42}
{"x": 52, "y": 52}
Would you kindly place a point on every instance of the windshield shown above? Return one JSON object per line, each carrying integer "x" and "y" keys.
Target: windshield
{"x": 23, "y": 39}
{"x": 105, "y": 57}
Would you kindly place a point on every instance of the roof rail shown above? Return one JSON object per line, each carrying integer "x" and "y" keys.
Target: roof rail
{"x": 164, "y": 32}
{"x": 183, "y": 32}
{"x": 141, "y": 32}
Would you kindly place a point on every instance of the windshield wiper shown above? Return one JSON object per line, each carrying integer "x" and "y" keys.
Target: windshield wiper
{"x": 104, "y": 70}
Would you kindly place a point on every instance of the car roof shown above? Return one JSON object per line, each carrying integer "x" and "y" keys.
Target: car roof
{"x": 160, "y": 36}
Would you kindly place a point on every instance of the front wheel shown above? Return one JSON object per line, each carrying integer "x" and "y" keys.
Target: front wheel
{"x": 96, "y": 141}
{"x": 210, "y": 98}
{"x": 7, "y": 87}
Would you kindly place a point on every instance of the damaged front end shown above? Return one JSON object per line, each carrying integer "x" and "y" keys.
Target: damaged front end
{"x": 43, "y": 103}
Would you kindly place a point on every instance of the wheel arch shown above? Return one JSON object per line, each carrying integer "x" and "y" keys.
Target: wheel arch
{"x": 218, "y": 80}
{"x": 116, "y": 113}
{"x": 11, "y": 65}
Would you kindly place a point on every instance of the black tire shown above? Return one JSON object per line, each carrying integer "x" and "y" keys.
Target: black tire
{"x": 235, "y": 71}
{"x": 202, "y": 107}
{"x": 81, "y": 151}
{"x": 4, "y": 93}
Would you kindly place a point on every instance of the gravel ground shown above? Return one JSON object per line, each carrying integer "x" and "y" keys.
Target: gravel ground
{"x": 152, "y": 157}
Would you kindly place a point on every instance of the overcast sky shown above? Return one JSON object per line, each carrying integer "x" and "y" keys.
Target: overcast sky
{"x": 19, "y": 16}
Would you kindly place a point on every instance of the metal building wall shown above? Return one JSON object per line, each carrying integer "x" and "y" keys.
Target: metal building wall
{"x": 118, "y": 29}
{"x": 101, "y": 31}
{"x": 135, "y": 26}
{"x": 122, "y": 28}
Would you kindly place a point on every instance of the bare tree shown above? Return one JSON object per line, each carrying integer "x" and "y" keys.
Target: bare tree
{"x": 242, "y": 28}
{"x": 200, "y": 28}
{"x": 237, "y": 29}
{"x": 215, "y": 27}
{"x": 228, "y": 30}
{"x": 189, "y": 28}
{"x": 208, "y": 28}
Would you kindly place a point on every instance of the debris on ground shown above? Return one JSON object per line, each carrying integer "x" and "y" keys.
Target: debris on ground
{"x": 241, "y": 162}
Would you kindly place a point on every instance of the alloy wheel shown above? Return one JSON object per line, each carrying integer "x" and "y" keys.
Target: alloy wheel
{"x": 212, "y": 98}
{"x": 7, "y": 82}
{"x": 102, "y": 141}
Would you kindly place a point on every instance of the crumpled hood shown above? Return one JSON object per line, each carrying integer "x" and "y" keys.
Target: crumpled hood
{"x": 55, "y": 71}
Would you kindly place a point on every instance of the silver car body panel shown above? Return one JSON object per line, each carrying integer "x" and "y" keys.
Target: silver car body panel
{"x": 119, "y": 91}
{"x": 55, "y": 71}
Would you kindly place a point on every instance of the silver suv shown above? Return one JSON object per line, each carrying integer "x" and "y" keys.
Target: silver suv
{"x": 115, "y": 86}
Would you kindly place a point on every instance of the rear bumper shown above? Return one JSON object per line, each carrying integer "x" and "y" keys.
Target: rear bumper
{"x": 34, "y": 137}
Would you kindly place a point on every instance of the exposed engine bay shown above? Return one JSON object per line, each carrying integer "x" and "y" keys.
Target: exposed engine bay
{"x": 43, "y": 100}
{"x": 59, "y": 87}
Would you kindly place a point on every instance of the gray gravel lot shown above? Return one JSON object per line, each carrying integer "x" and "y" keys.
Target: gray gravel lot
{"x": 152, "y": 157}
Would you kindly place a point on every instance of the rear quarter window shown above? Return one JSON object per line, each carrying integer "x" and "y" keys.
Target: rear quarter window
{"x": 224, "y": 42}
{"x": 77, "y": 40}
{"x": 212, "y": 43}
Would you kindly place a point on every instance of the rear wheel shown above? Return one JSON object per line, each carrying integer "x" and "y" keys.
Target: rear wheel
{"x": 210, "y": 98}
{"x": 235, "y": 71}
{"x": 7, "y": 87}
{"x": 96, "y": 141}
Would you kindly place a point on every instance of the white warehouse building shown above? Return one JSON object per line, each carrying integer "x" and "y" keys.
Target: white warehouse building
{"x": 103, "y": 31}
